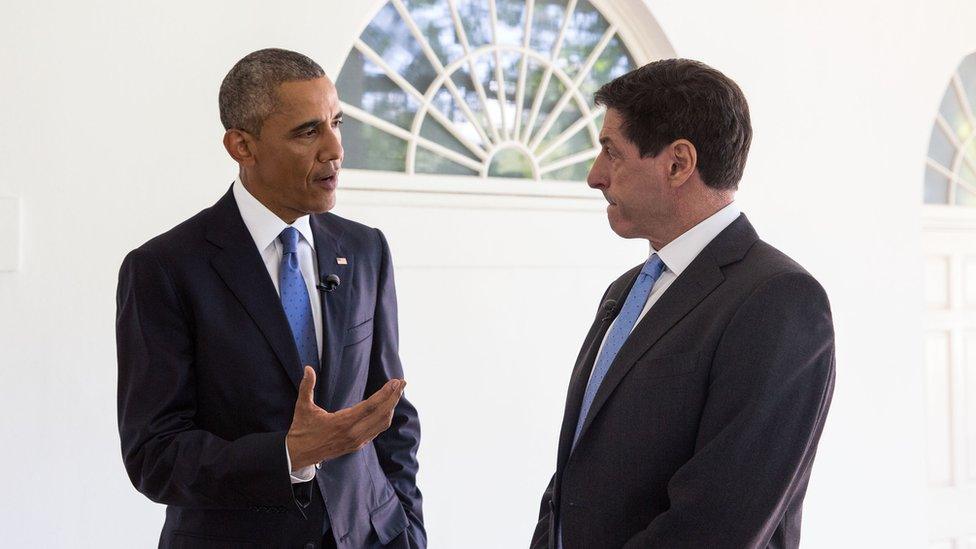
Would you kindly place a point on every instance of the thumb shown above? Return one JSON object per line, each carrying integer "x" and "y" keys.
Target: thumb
{"x": 306, "y": 390}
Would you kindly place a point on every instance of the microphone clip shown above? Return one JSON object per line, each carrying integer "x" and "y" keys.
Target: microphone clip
{"x": 328, "y": 284}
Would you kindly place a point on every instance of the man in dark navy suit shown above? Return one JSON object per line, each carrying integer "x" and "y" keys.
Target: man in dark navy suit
{"x": 701, "y": 390}
{"x": 260, "y": 387}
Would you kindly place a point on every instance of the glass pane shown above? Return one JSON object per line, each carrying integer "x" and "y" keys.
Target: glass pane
{"x": 388, "y": 36}
{"x": 443, "y": 102}
{"x": 585, "y": 29}
{"x": 476, "y": 21}
{"x": 369, "y": 147}
{"x": 967, "y": 175}
{"x": 951, "y": 110}
{"x": 964, "y": 197}
{"x": 553, "y": 92}
{"x": 510, "y": 163}
{"x": 940, "y": 149}
{"x": 547, "y": 18}
{"x": 579, "y": 141}
{"x": 462, "y": 80}
{"x": 511, "y": 22}
{"x": 614, "y": 62}
{"x": 967, "y": 74}
{"x": 430, "y": 162}
{"x": 576, "y": 172}
{"x": 936, "y": 187}
{"x": 362, "y": 84}
{"x": 436, "y": 24}
{"x": 432, "y": 130}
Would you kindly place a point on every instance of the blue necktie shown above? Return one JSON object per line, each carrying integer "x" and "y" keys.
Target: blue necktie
{"x": 619, "y": 333}
{"x": 294, "y": 300}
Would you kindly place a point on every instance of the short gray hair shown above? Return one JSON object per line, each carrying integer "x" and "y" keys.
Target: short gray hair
{"x": 248, "y": 93}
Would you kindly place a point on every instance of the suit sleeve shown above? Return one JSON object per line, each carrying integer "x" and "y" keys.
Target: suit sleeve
{"x": 770, "y": 386}
{"x": 396, "y": 447}
{"x": 544, "y": 527}
{"x": 168, "y": 457}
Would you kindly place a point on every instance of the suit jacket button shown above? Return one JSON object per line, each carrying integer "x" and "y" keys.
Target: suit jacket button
{"x": 310, "y": 545}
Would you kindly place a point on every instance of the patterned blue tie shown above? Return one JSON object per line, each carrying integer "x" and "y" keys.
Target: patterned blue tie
{"x": 294, "y": 300}
{"x": 619, "y": 333}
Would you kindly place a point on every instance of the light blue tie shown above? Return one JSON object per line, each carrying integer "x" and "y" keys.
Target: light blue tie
{"x": 619, "y": 333}
{"x": 294, "y": 300}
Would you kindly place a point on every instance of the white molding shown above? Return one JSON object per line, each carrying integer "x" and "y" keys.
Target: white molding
{"x": 944, "y": 218}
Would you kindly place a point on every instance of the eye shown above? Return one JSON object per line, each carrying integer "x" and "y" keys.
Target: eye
{"x": 311, "y": 132}
{"x": 336, "y": 123}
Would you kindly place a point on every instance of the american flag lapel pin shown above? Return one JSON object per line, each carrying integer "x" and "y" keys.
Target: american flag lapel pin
{"x": 341, "y": 260}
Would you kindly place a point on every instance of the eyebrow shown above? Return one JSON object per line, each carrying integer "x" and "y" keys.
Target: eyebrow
{"x": 313, "y": 123}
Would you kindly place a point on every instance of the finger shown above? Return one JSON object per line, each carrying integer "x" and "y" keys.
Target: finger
{"x": 306, "y": 390}
{"x": 376, "y": 402}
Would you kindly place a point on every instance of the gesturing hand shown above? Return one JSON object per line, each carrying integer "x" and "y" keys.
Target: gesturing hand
{"x": 316, "y": 435}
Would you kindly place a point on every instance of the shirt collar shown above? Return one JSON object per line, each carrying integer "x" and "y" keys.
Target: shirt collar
{"x": 680, "y": 252}
{"x": 262, "y": 223}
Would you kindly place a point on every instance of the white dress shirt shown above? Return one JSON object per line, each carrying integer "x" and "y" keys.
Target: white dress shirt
{"x": 265, "y": 227}
{"x": 678, "y": 254}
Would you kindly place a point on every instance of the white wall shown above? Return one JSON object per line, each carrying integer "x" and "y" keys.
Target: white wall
{"x": 110, "y": 136}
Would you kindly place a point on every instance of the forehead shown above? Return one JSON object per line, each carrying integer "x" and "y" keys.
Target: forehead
{"x": 612, "y": 123}
{"x": 307, "y": 98}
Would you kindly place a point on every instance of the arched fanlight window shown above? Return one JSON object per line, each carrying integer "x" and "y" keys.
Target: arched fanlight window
{"x": 483, "y": 88}
{"x": 950, "y": 174}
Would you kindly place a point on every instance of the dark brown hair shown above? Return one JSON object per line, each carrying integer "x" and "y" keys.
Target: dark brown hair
{"x": 675, "y": 99}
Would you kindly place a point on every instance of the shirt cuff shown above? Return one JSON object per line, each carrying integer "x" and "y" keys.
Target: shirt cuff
{"x": 304, "y": 474}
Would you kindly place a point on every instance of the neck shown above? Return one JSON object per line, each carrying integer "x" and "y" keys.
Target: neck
{"x": 253, "y": 186}
{"x": 687, "y": 218}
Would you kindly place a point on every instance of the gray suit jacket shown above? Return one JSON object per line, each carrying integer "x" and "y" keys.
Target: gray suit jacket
{"x": 704, "y": 430}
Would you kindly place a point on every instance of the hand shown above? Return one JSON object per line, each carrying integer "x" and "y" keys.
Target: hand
{"x": 316, "y": 435}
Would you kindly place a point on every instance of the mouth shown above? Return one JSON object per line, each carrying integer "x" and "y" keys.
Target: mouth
{"x": 609, "y": 201}
{"x": 329, "y": 180}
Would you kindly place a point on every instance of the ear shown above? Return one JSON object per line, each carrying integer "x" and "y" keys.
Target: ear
{"x": 240, "y": 146}
{"x": 682, "y": 163}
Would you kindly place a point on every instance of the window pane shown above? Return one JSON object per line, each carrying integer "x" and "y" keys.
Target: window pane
{"x": 936, "y": 187}
{"x": 546, "y": 20}
{"x": 584, "y": 32}
{"x": 940, "y": 149}
{"x": 437, "y": 26}
{"x": 576, "y": 172}
{"x": 429, "y": 162}
{"x": 369, "y": 147}
{"x": 967, "y": 74}
{"x": 362, "y": 84}
{"x": 432, "y": 130}
{"x": 951, "y": 110}
{"x": 510, "y": 163}
{"x": 964, "y": 197}
{"x": 388, "y": 36}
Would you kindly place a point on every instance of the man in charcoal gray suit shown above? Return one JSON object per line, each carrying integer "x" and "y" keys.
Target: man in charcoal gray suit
{"x": 700, "y": 392}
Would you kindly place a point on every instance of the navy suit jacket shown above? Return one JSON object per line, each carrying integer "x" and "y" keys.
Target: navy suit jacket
{"x": 209, "y": 375}
{"x": 704, "y": 430}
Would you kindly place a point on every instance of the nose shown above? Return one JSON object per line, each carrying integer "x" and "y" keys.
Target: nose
{"x": 330, "y": 147}
{"x": 597, "y": 178}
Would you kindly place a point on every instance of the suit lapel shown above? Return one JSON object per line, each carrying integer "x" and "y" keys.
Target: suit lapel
{"x": 685, "y": 293}
{"x": 328, "y": 250}
{"x": 587, "y": 357}
{"x": 240, "y": 266}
